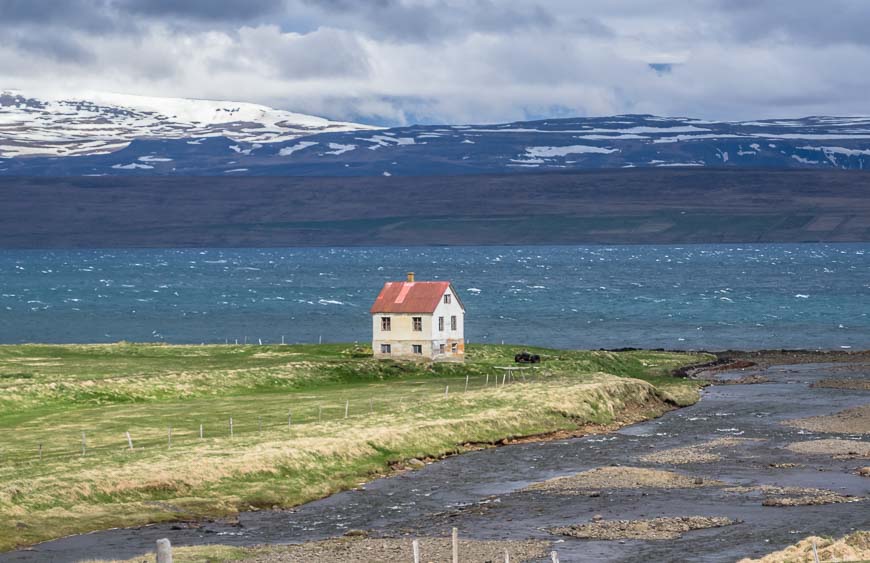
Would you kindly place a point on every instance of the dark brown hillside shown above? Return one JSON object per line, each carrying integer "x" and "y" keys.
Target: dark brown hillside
{"x": 601, "y": 206}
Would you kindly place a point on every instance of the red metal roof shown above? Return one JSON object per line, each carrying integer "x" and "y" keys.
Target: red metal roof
{"x": 410, "y": 297}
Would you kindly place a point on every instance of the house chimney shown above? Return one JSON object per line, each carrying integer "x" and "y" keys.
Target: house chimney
{"x": 411, "y": 277}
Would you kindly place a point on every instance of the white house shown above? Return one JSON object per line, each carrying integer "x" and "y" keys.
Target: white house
{"x": 415, "y": 320}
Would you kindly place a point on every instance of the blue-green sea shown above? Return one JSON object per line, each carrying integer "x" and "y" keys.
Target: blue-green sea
{"x": 745, "y": 296}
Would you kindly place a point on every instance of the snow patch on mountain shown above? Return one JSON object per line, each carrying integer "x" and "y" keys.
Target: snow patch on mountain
{"x": 338, "y": 148}
{"x": 287, "y": 151}
{"x": 34, "y": 124}
{"x": 565, "y": 151}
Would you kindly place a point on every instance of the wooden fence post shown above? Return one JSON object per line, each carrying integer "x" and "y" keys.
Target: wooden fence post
{"x": 346, "y": 407}
{"x": 40, "y": 452}
{"x": 169, "y": 438}
{"x": 289, "y": 418}
{"x": 129, "y": 440}
{"x": 164, "y": 551}
{"x": 200, "y": 431}
{"x": 466, "y": 382}
{"x": 455, "y": 545}
{"x": 231, "y": 427}
{"x": 554, "y": 556}
{"x": 415, "y": 546}
{"x": 507, "y": 557}
{"x": 446, "y": 389}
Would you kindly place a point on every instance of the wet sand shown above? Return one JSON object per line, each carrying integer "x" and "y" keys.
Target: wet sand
{"x": 654, "y": 529}
{"x": 856, "y": 384}
{"x": 850, "y": 421}
{"x": 489, "y": 494}
{"x": 619, "y": 478}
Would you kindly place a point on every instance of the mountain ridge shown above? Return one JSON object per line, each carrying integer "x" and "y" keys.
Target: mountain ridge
{"x": 121, "y": 135}
{"x": 92, "y": 122}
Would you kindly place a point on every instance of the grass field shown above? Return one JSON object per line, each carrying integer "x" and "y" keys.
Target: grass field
{"x": 281, "y": 425}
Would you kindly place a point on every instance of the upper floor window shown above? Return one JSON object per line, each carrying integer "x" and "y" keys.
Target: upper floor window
{"x": 418, "y": 323}
{"x": 453, "y": 322}
{"x": 386, "y": 323}
{"x": 440, "y": 323}
{"x": 447, "y": 298}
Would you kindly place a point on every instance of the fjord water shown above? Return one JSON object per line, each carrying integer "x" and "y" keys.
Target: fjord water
{"x": 745, "y": 296}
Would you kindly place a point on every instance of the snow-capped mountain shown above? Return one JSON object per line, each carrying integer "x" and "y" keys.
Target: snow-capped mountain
{"x": 192, "y": 137}
{"x": 101, "y": 122}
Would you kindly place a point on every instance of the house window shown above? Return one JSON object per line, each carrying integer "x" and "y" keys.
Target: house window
{"x": 440, "y": 323}
{"x": 386, "y": 349}
{"x": 453, "y": 322}
{"x": 441, "y": 349}
{"x": 386, "y": 323}
{"x": 447, "y": 298}
{"x": 454, "y": 347}
{"x": 418, "y": 323}
{"x": 417, "y": 348}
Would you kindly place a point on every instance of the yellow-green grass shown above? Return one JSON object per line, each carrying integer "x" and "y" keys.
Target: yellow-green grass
{"x": 50, "y": 395}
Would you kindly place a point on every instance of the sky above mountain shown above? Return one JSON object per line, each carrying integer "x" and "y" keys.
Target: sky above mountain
{"x": 395, "y": 62}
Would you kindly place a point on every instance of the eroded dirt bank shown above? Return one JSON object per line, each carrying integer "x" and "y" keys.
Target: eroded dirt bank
{"x": 746, "y": 472}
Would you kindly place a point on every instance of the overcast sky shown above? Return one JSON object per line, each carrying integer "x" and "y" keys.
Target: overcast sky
{"x": 435, "y": 61}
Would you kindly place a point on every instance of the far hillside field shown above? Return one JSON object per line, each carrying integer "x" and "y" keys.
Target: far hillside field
{"x": 307, "y": 421}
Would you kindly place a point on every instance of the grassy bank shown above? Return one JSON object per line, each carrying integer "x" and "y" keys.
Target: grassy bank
{"x": 306, "y": 421}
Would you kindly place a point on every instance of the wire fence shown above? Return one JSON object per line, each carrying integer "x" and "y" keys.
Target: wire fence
{"x": 86, "y": 443}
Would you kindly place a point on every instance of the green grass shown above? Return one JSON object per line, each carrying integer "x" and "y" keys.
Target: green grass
{"x": 50, "y": 395}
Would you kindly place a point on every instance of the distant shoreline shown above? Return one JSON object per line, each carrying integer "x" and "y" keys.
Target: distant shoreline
{"x": 601, "y": 206}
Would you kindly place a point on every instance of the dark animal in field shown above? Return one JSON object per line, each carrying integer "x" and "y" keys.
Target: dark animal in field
{"x": 526, "y": 358}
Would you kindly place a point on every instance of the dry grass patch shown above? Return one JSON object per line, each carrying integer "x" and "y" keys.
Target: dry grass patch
{"x": 854, "y": 547}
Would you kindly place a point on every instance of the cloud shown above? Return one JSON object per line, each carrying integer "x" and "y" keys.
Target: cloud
{"x": 405, "y": 61}
{"x": 203, "y": 10}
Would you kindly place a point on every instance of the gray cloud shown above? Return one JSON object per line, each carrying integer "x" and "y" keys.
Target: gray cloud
{"x": 399, "y": 61}
{"x": 233, "y": 11}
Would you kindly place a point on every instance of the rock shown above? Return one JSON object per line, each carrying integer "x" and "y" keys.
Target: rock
{"x": 699, "y": 481}
{"x": 597, "y": 518}
{"x": 414, "y": 462}
{"x": 356, "y": 534}
{"x": 864, "y": 471}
